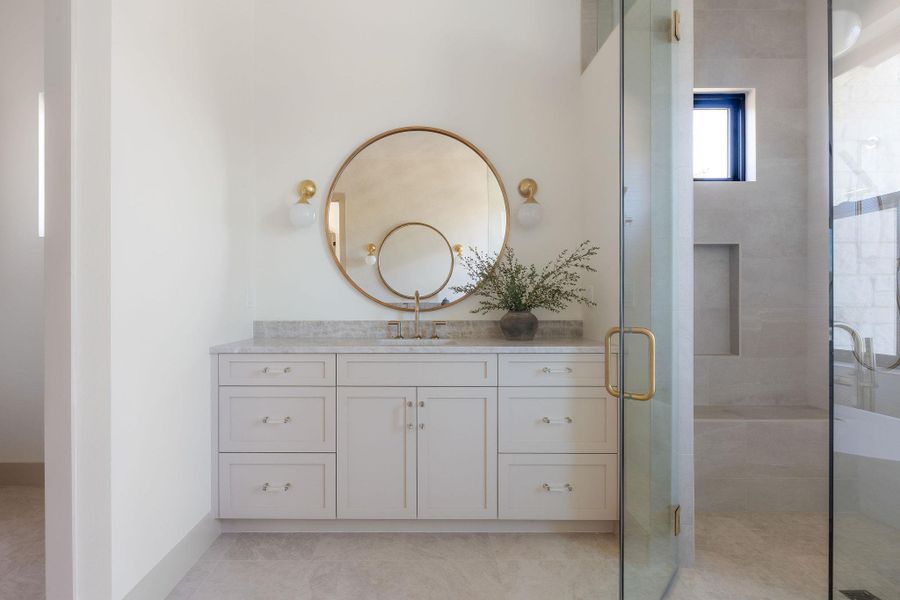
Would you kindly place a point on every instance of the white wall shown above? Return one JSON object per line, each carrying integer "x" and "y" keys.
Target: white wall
{"x": 505, "y": 74}
{"x": 21, "y": 250}
{"x": 180, "y": 213}
{"x": 59, "y": 512}
{"x": 600, "y": 183}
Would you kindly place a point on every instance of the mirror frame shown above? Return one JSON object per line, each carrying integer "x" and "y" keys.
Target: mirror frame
{"x": 449, "y": 250}
{"x": 365, "y": 145}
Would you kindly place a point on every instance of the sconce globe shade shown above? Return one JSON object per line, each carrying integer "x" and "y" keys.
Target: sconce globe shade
{"x": 846, "y": 27}
{"x": 530, "y": 214}
{"x": 302, "y": 214}
{"x": 370, "y": 260}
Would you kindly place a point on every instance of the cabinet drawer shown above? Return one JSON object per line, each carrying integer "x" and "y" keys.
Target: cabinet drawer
{"x": 276, "y": 419}
{"x": 276, "y": 486}
{"x": 558, "y": 419}
{"x": 551, "y": 369}
{"x": 417, "y": 370}
{"x": 276, "y": 369}
{"x": 559, "y": 486}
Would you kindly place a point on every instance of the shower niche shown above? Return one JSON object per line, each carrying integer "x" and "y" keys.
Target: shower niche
{"x": 716, "y": 299}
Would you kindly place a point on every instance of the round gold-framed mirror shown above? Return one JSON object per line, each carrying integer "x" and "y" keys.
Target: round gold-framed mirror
{"x": 413, "y": 258}
{"x": 417, "y": 183}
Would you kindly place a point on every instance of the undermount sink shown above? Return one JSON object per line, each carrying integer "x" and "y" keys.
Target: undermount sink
{"x": 415, "y": 342}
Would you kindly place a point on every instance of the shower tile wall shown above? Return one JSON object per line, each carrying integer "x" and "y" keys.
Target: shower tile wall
{"x": 763, "y": 49}
{"x": 753, "y": 452}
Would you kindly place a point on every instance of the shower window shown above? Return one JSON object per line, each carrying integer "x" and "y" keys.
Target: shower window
{"x": 719, "y": 137}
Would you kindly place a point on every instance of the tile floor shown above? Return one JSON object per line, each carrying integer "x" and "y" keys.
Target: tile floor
{"x": 21, "y": 543}
{"x": 757, "y": 556}
{"x": 780, "y": 556}
{"x": 401, "y": 566}
{"x": 772, "y": 556}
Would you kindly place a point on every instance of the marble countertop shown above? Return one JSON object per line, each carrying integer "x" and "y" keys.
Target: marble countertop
{"x": 303, "y": 345}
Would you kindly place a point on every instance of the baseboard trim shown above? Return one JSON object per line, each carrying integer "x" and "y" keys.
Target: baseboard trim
{"x": 22, "y": 474}
{"x": 413, "y": 526}
{"x": 163, "y": 578}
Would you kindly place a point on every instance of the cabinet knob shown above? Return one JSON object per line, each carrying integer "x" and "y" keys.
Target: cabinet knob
{"x": 409, "y": 404}
{"x": 421, "y": 425}
{"x": 552, "y": 371}
{"x": 281, "y": 421}
{"x": 268, "y": 487}
{"x": 271, "y": 371}
{"x": 552, "y": 421}
{"x": 410, "y": 426}
{"x": 421, "y": 404}
{"x": 556, "y": 487}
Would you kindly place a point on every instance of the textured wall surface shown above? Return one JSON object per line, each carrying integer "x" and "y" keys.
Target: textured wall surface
{"x": 766, "y": 454}
{"x": 761, "y": 47}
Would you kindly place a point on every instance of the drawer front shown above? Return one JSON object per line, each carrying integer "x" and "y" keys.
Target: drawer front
{"x": 559, "y": 486}
{"x": 551, "y": 369}
{"x": 558, "y": 419}
{"x": 433, "y": 370}
{"x": 276, "y": 369}
{"x": 276, "y": 486}
{"x": 276, "y": 419}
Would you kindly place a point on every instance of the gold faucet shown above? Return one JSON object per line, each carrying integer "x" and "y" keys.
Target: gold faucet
{"x": 418, "y": 335}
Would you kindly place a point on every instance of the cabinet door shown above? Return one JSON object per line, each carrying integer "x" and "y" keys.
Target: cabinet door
{"x": 376, "y": 453}
{"x": 457, "y": 453}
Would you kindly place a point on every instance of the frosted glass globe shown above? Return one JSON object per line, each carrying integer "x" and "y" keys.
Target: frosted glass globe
{"x": 846, "y": 26}
{"x": 370, "y": 259}
{"x": 530, "y": 214}
{"x": 302, "y": 214}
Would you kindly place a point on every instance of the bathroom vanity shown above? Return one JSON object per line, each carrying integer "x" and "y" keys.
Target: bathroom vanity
{"x": 347, "y": 423}
{"x": 475, "y": 431}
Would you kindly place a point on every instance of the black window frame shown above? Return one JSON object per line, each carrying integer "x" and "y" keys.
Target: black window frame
{"x": 736, "y": 104}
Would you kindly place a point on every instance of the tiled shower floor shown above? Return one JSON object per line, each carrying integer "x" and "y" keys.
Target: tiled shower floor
{"x": 757, "y": 556}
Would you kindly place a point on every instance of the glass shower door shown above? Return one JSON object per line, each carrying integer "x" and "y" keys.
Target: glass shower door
{"x": 866, "y": 289}
{"x": 647, "y": 301}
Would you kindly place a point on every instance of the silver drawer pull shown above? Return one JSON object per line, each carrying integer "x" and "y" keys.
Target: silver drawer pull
{"x": 281, "y": 421}
{"x": 561, "y": 421}
{"x": 271, "y": 371}
{"x": 269, "y": 488}
{"x": 558, "y": 488}
{"x": 551, "y": 371}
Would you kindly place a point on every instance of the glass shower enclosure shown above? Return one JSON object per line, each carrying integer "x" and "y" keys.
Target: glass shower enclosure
{"x": 866, "y": 296}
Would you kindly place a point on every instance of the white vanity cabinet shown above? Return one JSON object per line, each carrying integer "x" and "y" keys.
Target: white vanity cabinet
{"x": 376, "y": 453}
{"x": 427, "y": 453}
{"x": 457, "y": 452}
{"x": 415, "y": 436}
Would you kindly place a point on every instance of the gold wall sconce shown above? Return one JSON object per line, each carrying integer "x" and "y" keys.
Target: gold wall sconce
{"x": 530, "y": 213}
{"x": 303, "y": 214}
{"x": 458, "y": 249}
{"x": 371, "y": 257}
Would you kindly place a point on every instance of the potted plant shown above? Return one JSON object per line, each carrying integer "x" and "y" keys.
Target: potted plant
{"x": 509, "y": 285}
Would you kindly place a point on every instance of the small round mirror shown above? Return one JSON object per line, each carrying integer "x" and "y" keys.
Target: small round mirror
{"x": 415, "y": 257}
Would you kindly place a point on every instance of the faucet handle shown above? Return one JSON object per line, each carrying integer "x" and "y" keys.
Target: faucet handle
{"x": 399, "y": 335}
{"x": 434, "y": 328}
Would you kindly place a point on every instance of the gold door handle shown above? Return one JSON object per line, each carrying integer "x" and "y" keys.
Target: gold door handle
{"x": 651, "y": 363}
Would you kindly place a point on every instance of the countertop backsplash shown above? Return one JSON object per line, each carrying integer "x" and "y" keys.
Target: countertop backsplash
{"x": 456, "y": 329}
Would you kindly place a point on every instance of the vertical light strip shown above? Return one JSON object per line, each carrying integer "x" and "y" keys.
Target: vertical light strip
{"x": 41, "y": 155}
